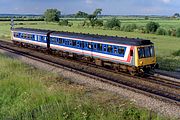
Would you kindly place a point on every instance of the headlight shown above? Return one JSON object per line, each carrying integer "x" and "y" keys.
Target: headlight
{"x": 141, "y": 62}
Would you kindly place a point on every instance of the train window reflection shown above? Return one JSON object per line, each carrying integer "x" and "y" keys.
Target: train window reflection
{"x": 145, "y": 52}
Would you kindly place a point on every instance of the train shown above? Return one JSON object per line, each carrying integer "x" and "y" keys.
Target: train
{"x": 133, "y": 55}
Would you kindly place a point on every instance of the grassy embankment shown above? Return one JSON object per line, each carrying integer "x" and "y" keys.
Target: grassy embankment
{"x": 165, "y": 45}
{"x": 28, "y": 93}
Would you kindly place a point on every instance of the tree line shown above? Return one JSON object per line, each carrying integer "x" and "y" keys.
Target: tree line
{"x": 91, "y": 20}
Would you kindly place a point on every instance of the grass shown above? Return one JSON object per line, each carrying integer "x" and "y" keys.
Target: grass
{"x": 28, "y": 93}
{"x": 165, "y": 45}
{"x": 163, "y": 23}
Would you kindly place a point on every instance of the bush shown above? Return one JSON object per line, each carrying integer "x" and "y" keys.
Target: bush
{"x": 114, "y": 22}
{"x": 20, "y": 23}
{"x": 99, "y": 23}
{"x": 161, "y": 31}
{"x": 171, "y": 32}
{"x": 176, "y": 53}
{"x": 116, "y": 28}
{"x": 70, "y": 24}
{"x": 142, "y": 29}
{"x": 151, "y": 27}
{"x": 131, "y": 114}
{"x": 129, "y": 27}
{"x": 178, "y": 32}
{"x": 65, "y": 23}
{"x": 167, "y": 63}
{"x": 146, "y": 18}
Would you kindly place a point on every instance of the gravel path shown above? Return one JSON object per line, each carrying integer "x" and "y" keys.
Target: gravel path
{"x": 155, "y": 105}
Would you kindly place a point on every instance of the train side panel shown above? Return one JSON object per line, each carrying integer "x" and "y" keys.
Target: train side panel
{"x": 128, "y": 57}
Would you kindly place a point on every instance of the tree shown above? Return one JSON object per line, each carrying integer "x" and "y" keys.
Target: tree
{"x": 93, "y": 17}
{"x": 161, "y": 31}
{"x": 151, "y": 27}
{"x": 97, "y": 12}
{"x": 114, "y": 22}
{"x": 176, "y": 15}
{"x": 52, "y": 15}
{"x": 178, "y": 32}
{"x": 81, "y": 14}
{"x": 146, "y": 18}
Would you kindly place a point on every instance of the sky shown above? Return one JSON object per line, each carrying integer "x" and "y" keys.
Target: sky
{"x": 110, "y": 7}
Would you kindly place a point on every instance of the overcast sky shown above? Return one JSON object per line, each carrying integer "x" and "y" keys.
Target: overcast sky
{"x": 110, "y": 7}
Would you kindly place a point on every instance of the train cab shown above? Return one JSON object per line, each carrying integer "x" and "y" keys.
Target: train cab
{"x": 145, "y": 58}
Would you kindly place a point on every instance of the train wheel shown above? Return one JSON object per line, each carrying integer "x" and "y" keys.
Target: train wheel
{"x": 133, "y": 73}
{"x": 141, "y": 73}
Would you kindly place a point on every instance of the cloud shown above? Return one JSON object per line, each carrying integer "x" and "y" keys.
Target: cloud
{"x": 166, "y": 1}
{"x": 89, "y": 1}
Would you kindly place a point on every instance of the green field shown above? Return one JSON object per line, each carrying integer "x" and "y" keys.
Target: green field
{"x": 27, "y": 93}
{"x": 165, "y": 45}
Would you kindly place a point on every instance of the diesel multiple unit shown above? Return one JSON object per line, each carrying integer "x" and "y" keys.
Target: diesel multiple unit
{"x": 136, "y": 56}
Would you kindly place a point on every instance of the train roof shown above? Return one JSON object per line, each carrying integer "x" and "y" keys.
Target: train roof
{"x": 92, "y": 37}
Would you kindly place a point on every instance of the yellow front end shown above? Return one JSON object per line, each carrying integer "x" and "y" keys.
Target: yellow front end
{"x": 145, "y": 58}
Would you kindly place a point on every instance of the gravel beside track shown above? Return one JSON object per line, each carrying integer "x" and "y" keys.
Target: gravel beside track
{"x": 172, "y": 75}
{"x": 139, "y": 99}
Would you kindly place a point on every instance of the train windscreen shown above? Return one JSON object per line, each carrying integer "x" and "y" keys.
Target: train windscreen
{"x": 145, "y": 52}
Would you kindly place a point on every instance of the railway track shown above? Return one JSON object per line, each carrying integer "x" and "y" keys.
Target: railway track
{"x": 164, "y": 89}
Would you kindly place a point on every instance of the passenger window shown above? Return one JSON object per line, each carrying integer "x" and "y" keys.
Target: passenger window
{"x": 73, "y": 42}
{"x": 60, "y": 40}
{"x": 63, "y": 41}
{"x": 42, "y": 38}
{"x": 45, "y": 39}
{"x": 121, "y": 50}
{"x": 89, "y": 45}
{"x": 19, "y": 34}
{"x": 104, "y": 48}
{"x": 33, "y": 37}
{"x": 78, "y": 44}
{"x": 24, "y": 35}
{"x": 110, "y": 49}
{"x": 95, "y": 46}
{"x": 70, "y": 42}
{"x": 53, "y": 40}
{"x": 115, "y": 50}
{"x": 39, "y": 38}
{"x": 29, "y": 36}
{"x": 16, "y": 34}
{"x": 86, "y": 45}
{"x": 82, "y": 44}
{"x": 67, "y": 42}
{"x": 99, "y": 47}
